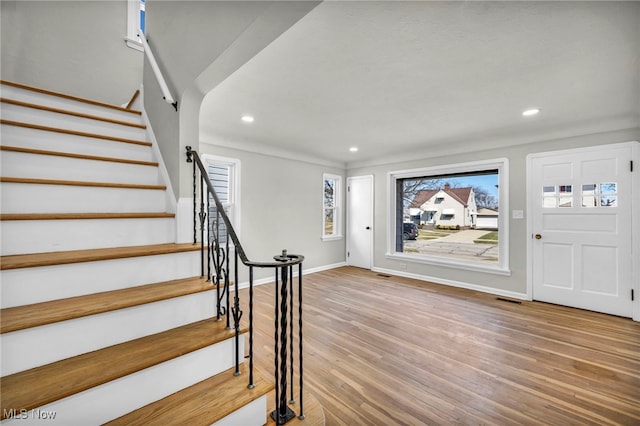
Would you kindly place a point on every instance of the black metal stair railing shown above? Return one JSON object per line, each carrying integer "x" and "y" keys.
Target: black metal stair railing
{"x": 221, "y": 239}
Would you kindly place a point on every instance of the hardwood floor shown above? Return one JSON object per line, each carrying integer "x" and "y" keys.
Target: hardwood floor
{"x": 395, "y": 351}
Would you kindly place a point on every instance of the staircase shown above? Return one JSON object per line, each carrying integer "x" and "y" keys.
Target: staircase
{"x": 104, "y": 318}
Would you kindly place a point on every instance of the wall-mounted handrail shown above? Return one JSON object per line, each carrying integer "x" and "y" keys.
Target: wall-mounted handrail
{"x": 218, "y": 253}
{"x": 156, "y": 71}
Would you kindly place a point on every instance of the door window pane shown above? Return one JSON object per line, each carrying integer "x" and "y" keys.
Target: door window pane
{"x": 608, "y": 188}
{"x": 565, "y": 189}
{"x": 589, "y": 189}
{"x": 609, "y": 201}
{"x": 549, "y": 197}
{"x": 565, "y": 202}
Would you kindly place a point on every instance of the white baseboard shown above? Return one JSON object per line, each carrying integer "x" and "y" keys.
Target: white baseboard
{"x": 469, "y": 286}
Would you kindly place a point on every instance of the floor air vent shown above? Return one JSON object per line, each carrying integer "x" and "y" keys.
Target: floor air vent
{"x": 502, "y": 299}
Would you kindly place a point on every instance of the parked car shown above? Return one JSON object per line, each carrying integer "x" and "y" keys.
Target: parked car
{"x": 409, "y": 231}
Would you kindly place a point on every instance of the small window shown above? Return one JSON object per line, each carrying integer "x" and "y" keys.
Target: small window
{"x": 135, "y": 23}
{"x": 224, "y": 175}
{"x": 331, "y": 224}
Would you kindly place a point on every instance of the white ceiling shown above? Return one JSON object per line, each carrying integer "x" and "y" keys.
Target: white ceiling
{"x": 403, "y": 80}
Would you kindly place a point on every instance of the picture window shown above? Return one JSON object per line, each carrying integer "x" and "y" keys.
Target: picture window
{"x": 447, "y": 200}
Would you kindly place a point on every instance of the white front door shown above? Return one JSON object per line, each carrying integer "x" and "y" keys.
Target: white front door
{"x": 360, "y": 221}
{"x": 581, "y": 222}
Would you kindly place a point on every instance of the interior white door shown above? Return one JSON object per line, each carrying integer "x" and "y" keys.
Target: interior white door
{"x": 581, "y": 207}
{"x": 360, "y": 221}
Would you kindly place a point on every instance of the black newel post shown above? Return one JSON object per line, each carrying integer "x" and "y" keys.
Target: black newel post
{"x": 282, "y": 413}
{"x": 300, "y": 353}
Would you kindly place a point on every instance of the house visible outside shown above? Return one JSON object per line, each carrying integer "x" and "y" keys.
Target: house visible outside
{"x": 446, "y": 208}
{"x": 456, "y": 211}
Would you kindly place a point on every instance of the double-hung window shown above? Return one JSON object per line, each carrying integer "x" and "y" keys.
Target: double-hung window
{"x": 224, "y": 174}
{"x": 331, "y": 210}
{"x": 135, "y": 23}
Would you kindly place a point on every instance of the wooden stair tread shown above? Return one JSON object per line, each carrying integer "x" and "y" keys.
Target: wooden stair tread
{"x": 70, "y": 97}
{"x": 80, "y": 216}
{"x": 74, "y": 132}
{"x": 201, "y": 404}
{"x": 72, "y": 113}
{"x": 78, "y": 156}
{"x": 42, "y": 385}
{"x": 27, "y": 316}
{"x": 17, "y": 261}
{"x": 9, "y": 179}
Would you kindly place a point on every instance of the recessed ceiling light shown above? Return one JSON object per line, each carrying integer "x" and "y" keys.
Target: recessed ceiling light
{"x": 353, "y": 149}
{"x": 247, "y": 119}
{"x": 530, "y": 112}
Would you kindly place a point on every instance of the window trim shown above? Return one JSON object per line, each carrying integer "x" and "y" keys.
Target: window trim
{"x": 234, "y": 183}
{"x": 502, "y": 165}
{"x": 337, "y": 209}
{"x": 133, "y": 25}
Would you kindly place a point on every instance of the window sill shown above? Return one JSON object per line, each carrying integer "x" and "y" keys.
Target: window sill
{"x": 490, "y": 269}
{"x": 134, "y": 44}
{"x": 332, "y": 238}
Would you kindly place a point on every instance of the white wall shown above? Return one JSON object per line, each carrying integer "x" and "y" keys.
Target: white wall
{"x": 517, "y": 281}
{"x": 74, "y": 47}
{"x": 197, "y": 45}
{"x": 281, "y": 208}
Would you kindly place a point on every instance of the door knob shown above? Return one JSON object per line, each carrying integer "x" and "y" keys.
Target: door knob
{"x": 538, "y": 236}
{"x": 368, "y": 227}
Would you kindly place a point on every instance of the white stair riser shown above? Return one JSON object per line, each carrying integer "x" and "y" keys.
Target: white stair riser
{"x": 53, "y": 141}
{"x": 118, "y": 397}
{"x": 34, "y": 285}
{"x": 37, "y": 198}
{"x": 70, "y": 122}
{"x": 252, "y": 414}
{"x": 43, "y": 236}
{"x": 67, "y": 104}
{"x": 17, "y": 164}
{"x": 26, "y": 349}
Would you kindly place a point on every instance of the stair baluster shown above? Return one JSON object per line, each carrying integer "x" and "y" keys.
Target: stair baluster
{"x": 284, "y": 288}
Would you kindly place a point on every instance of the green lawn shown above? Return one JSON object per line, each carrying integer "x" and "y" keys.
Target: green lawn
{"x": 488, "y": 238}
{"x": 424, "y": 234}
